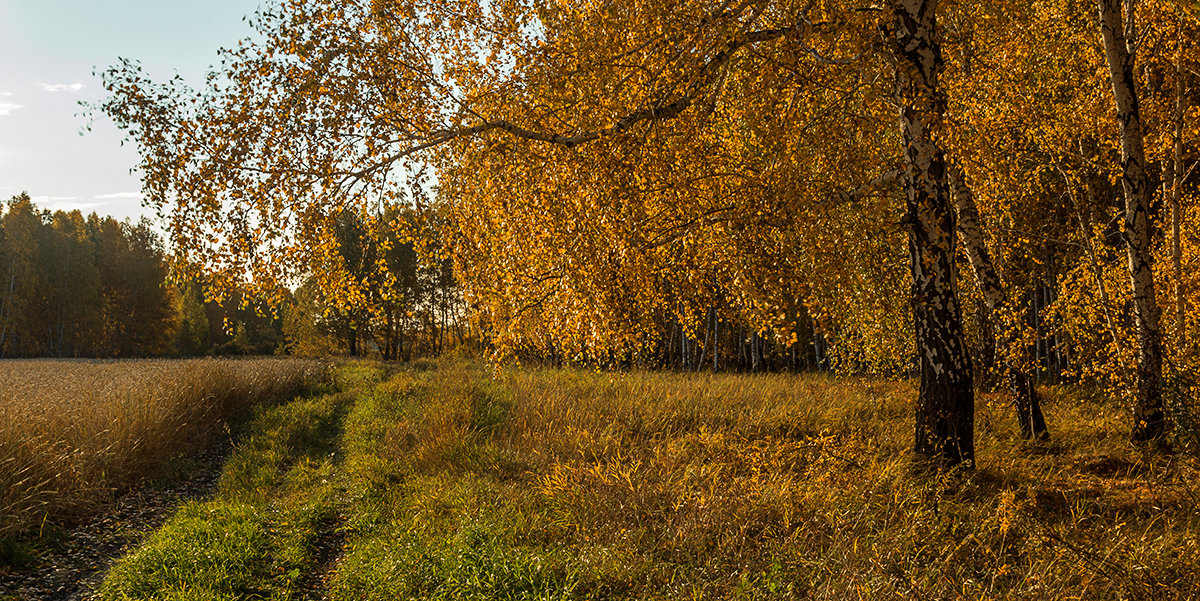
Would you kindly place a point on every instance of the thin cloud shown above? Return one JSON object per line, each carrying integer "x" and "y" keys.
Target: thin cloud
{"x": 119, "y": 196}
{"x": 63, "y": 87}
{"x": 7, "y": 108}
{"x": 63, "y": 203}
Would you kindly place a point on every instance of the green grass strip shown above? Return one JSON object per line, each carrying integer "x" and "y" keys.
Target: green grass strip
{"x": 255, "y": 539}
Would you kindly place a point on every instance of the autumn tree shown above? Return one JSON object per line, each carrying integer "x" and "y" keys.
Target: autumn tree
{"x": 1118, "y": 27}
{"x": 1047, "y": 175}
{"x": 137, "y": 308}
{"x": 21, "y": 309}
{"x": 387, "y": 290}
{"x": 81, "y": 287}
{"x": 945, "y": 409}
{"x": 304, "y": 324}
{"x": 192, "y": 335}
{"x": 68, "y": 264}
{"x": 612, "y": 167}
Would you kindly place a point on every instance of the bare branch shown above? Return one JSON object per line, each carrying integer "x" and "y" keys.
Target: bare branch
{"x": 885, "y": 179}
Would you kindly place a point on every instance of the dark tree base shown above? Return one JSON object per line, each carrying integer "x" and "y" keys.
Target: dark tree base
{"x": 1029, "y": 407}
{"x": 945, "y": 426}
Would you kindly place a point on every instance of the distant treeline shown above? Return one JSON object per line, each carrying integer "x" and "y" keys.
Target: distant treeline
{"x": 76, "y": 286}
{"x": 387, "y": 292}
{"x": 91, "y": 286}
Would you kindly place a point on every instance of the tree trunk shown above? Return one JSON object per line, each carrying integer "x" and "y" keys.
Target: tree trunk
{"x": 945, "y": 415}
{"x": 755, "y": 352}
{"x": 684, "y": 358}
{"x": 1020, "y": 383}
{"x": 1177, "y": 181}
{"x": 817, "y": 339}
{"x": 1149, "y": 420}
{"x": 985, "y": 363}
{"x": 716, "y": 343}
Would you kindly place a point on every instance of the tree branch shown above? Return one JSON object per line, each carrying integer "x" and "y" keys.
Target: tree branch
{"x": 841, "y": 197}
{"x": 658, "y": 112}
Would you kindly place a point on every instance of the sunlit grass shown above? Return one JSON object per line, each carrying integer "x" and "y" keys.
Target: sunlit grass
{"x": 737, "y": 485}
{"x": 553, "y": 484}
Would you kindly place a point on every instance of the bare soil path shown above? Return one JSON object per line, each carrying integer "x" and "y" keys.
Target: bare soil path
{"x": 329, "y": 551}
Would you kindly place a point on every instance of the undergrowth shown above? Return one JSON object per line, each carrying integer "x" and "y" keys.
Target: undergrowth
{"x": 461, "y": 482}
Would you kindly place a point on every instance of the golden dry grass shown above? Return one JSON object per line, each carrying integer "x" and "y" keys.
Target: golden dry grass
{"x": 73, "y": 432}
{"x": 684, "y": 485}
{"x": 464, "y": 482}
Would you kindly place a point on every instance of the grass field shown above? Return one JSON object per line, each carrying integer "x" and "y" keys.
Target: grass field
{"x": 73, "y": 433}
{"x": 458, "y": 482}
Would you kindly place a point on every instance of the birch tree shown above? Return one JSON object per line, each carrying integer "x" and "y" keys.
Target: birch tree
{"x": 1118, "y": 28}
{"x": 606, "y": 140}
{"x": 945, "y": 409}
{"x": 1021, "y": 385}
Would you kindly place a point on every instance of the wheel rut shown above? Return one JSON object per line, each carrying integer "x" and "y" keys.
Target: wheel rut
{"x": 329, "y": 549}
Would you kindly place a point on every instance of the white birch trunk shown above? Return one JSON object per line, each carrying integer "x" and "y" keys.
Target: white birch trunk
{"x": 970, "y": 230}
{"x": 946, "y": 403}
{"x": 1149, "y": 420}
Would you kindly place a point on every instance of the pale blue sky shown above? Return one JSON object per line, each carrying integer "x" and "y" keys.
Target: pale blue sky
{"x": 48, "y": 49}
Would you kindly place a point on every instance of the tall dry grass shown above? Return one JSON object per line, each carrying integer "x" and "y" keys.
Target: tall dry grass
{"x": 682, "y": 485}
{"x": 74, "y": 432}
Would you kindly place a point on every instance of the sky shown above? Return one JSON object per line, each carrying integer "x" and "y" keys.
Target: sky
{"x": 48, "y": 51}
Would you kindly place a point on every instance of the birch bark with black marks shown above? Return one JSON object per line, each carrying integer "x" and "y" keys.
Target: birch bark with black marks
{"x": 970, "y": 230}
{"x": 1149, "y": 421}
{"x": 986, "y": 371}
{"x": 945, "y": 413}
